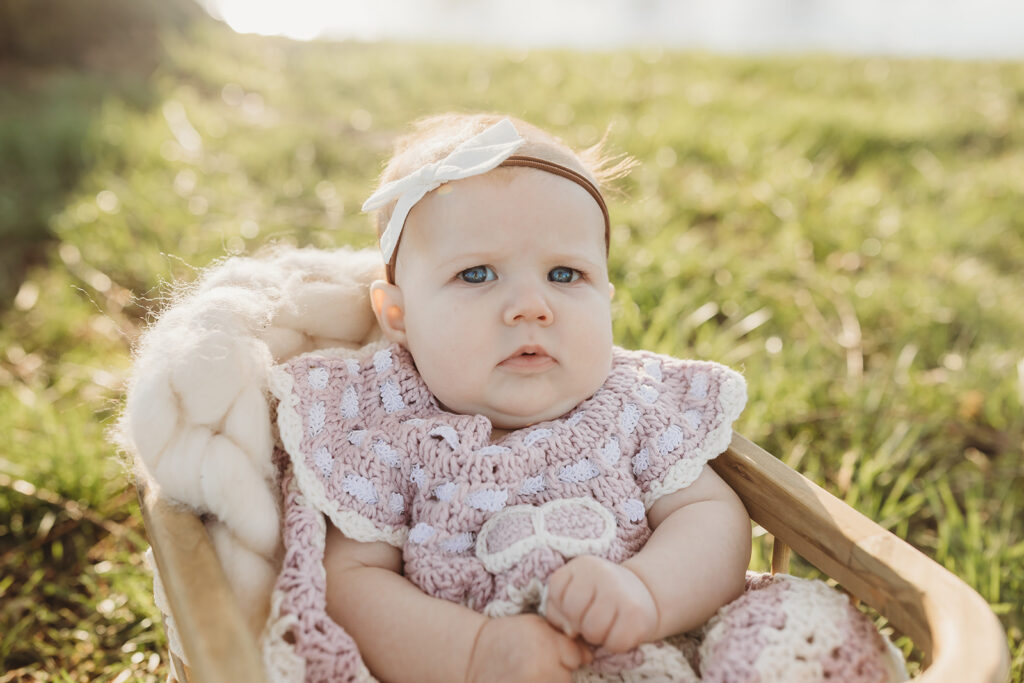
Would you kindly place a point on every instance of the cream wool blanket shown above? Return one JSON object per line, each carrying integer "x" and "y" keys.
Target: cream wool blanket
{"x": 197, "y": 419}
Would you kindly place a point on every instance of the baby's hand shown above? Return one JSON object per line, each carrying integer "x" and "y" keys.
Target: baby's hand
{"x": 524, "y": 648}
{"x": 602, "y": 601}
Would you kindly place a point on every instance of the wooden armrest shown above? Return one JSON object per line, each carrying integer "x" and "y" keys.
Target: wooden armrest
{"x": 217, "y": 642}
{"x": 954, "y": 627}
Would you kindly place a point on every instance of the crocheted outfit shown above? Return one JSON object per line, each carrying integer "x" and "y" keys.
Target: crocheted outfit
{"x": 479, "y": 523}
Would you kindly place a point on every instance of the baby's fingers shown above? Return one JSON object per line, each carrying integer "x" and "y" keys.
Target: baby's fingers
{"x": 598, "y": 621}
{"x": 558, "y": 619}
{"x": 632, "y": 625}
{"x": 573, "y": 654}
{"x": 571, "y": 595}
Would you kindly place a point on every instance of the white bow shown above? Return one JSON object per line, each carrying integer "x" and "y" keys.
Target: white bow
{"x": 477, "y": 155}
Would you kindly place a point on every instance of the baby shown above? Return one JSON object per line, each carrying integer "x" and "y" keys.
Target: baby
{"x": 509, "y": 496}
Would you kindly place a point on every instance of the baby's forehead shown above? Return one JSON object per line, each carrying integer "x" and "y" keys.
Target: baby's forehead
{"x": 508, "y": 197}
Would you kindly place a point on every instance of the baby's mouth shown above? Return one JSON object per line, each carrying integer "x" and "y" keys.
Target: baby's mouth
{"x": 528, "y": 358}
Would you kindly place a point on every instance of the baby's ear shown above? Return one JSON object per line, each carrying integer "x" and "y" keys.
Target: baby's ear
{"x": 389, "y": 308}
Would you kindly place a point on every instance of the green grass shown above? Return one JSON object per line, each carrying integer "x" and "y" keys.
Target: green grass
{"x": 848, "y": 232}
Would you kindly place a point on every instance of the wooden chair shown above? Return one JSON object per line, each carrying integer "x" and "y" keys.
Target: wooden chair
{"x": 951, "y": 624}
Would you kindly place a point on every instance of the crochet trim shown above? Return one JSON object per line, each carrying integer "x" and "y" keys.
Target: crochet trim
{"x": 289, "y": 420}
{"x": 732, "y": 397}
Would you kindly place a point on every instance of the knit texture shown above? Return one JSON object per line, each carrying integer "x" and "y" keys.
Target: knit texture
{"x": 485, "y": 524}
{"x": 476, "y": 520}
{"x": 789, "y": 630}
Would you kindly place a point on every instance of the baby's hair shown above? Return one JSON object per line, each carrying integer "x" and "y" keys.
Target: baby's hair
{"x": 435, "y": 137}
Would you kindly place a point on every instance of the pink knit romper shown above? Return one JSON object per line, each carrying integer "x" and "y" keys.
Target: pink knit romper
{"x": 482, "y": 523}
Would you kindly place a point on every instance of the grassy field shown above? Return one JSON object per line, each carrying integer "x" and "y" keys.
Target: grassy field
{"x": 848, "y": 232}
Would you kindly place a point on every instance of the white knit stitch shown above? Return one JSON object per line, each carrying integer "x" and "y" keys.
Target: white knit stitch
{"x": 634, "y": 510}
{"x": 324, "y": 461}
{"x": 732, "y": 396}
{"x": 360, "y": 488}
{"x": 653, "y": 368}
{"x": 421, "y": 533}
{"x": 641, "y": 461}
{"x": 611, "y": 452}
{"x": 447, "y": 433}
{"x": 352, "y": 365}
{"x": 693, "y": 418}
{"x": 396, "y": 503}
{"x": 382, "y": 360}
{"x": 418, "y": 476}
{"x": 488, "y": 500}
{"x": 316, "y": 418}
{"x": 647, "y": 393}
{"x": 575, "y": 418}
{"x": 493, "y": 450}
{"x": 444, "y": 492}
{"x": 317, "y": 378}
{"x": 699, "y": 386}
{"x": 391, "y": 397}
{"x": 458, "y": 544}
{"x": 356, "y": 437}
{"x": 349, "y": 403}
{"x": 533, "y": 485}
{"x": 387, "y": 455}
{"x": 630, "y": 418}
{"x": 413, "y": 421}
{"x": 578, "y": 472}
{"x": 680, "y": 475}
{"x": 669, "y": 440}
{"x": 535, "y": 436}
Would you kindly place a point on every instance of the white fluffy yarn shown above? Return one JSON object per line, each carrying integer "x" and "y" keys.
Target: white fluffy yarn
{"x": 197, "y": 419}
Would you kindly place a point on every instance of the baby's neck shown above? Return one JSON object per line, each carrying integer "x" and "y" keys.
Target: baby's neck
{"x": 497, "y": 433}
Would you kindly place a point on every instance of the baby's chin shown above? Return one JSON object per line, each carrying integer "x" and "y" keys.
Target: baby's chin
{"x": 511, "y": 418}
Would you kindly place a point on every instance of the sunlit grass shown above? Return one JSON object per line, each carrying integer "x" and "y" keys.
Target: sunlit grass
{"x": 848, "y": 232}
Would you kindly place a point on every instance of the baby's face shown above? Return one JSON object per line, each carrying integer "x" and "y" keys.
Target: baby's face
{"x": 504, "y": 295}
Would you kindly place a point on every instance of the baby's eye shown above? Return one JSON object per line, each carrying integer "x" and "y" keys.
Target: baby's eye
{"x": 477, "y": 275}
{"x": 563, "y": 275}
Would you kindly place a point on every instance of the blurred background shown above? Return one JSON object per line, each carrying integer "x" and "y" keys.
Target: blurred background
{"x": 952, "y": 28}
{"x": 830, "y": 198}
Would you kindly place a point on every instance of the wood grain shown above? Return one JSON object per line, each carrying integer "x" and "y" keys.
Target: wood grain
{"x": 217, "y": 643}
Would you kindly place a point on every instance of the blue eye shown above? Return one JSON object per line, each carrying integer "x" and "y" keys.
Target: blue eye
{"x": 563, "y": 275}
{"x": 477, "y": 275}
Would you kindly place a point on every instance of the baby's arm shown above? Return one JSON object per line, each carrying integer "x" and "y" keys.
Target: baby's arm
{"x": 405, "y": 635}
{"x": 694, "y": 563}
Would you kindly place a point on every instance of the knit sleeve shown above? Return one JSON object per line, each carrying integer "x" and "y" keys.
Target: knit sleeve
{"x": 336, "y": 417}
{"x": 697, "y": 404}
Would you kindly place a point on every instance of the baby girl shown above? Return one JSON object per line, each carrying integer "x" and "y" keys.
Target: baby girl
{"x": 509, "y": 496}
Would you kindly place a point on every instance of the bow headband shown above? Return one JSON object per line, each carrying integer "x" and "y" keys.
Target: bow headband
{"x": 479, "y": 154}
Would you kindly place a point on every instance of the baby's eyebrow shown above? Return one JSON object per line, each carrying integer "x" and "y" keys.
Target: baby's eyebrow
{"x": 578, "y": 259}
{"x": 473, "y": 258}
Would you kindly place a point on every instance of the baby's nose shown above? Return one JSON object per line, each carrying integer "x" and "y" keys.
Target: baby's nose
{"x": 528, "y": 304}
